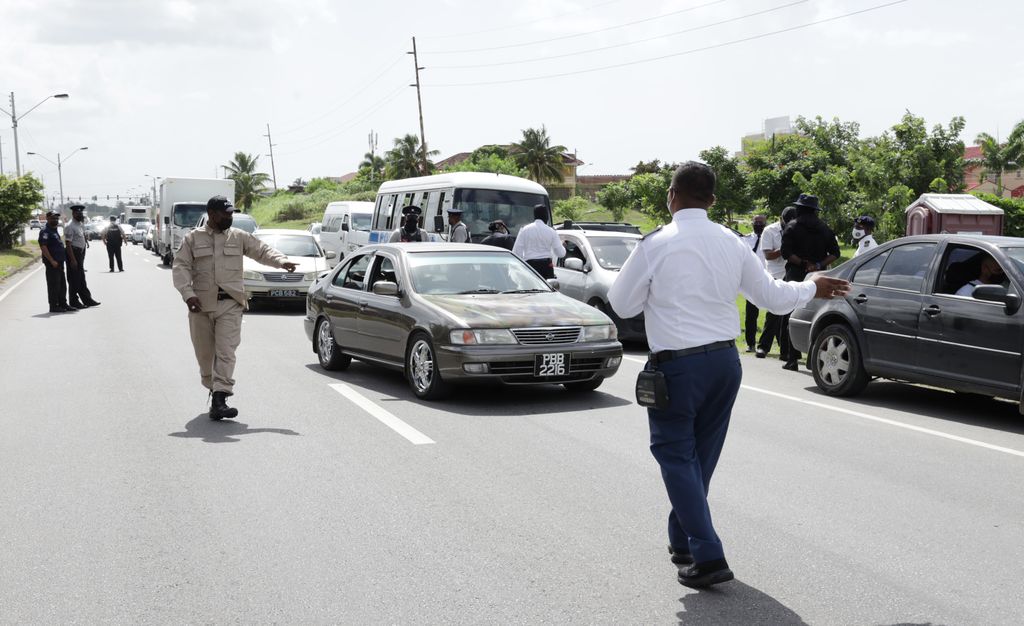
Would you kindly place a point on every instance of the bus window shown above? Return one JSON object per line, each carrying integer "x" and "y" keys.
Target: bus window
{"x": 431, "y": 204}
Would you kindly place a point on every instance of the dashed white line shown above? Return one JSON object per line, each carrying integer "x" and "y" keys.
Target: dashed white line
{"x": 386, "y": 418}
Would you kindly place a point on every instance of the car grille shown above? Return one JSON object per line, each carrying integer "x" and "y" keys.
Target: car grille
{"x": 547, "y": 336}
{"x": 282, "y": 277}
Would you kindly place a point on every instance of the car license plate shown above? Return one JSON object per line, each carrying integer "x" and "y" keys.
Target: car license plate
{"x": 284, "y": 293}
{"x": 555, "y": 364}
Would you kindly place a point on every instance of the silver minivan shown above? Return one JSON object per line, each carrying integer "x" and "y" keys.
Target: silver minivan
{"x": 345, "y": 227}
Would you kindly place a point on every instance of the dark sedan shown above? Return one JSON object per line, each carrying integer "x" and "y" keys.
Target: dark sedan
{"x": 448, "y": 313}
{"x": 942, "y": 310}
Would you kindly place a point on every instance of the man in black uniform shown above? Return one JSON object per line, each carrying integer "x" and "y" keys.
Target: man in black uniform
{"x": 53, "y": 260}
{"x": 808, "y": 245}
{"x": 409, "y": 230}
{"x": 74, "y": 234}
{"x": 114, "y": 239}
{"x": 499, "y": 236}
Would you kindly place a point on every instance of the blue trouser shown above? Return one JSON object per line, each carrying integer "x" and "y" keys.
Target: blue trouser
{"x": 687, "y": 439}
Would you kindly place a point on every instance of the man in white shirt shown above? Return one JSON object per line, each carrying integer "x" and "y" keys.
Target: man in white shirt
{"x": 753, "y": 241}
{"x": 863, "y": 226}
{"x": 538, "y": 244}
{"x": 771, "y": 247}
{"x": 458, "y": 232}
{"x": 684, "y": 277}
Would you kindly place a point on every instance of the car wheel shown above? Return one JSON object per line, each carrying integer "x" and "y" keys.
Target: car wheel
{"x": 584, "y": 386}
{"x": 836, "y": 362}
{"x": 422, "y": 371}
{"x": 328, "y": 351}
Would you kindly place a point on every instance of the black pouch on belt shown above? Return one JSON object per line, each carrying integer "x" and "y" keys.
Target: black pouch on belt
{"x": 651, "y": 388}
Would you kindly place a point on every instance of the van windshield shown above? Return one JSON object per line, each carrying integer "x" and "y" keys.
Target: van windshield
{"x": 186, "y": 215}
{"x": 482, "y": 206}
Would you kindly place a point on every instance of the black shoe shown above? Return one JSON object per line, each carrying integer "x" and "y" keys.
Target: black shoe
{"x": 111, "y": 270}
{"x": 92, "y": 303}
{"x": 219, "y": 408}
{"x": 76, "y": 305}
{"x": 761, "y": 353}
{"x": 750, "y": 348}
{"x": 680, "y": 557}
{"x": 792, "y": 366}
{"x": 56, "y": 309}
{"x": 67, "y": 309}
{"x": 701, "y": 575}
{"x": 120, "y": 270}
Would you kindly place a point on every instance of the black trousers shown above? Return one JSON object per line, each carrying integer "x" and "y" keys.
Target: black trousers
{"x": 78, "y": 290}
{"x": 789, "y": 355}
{"x": 543, "y": 267}
{"x": 56, "y": 289}
{"x": 114, "y": 252}
{"x": 750, "y": 323}
{"x": 772, "y": 325}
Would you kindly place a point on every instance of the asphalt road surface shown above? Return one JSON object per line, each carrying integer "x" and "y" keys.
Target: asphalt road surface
{"x": 339, "y": 498}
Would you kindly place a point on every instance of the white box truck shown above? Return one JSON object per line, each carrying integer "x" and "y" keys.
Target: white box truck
{"x": 182, "y": 203}
{"x": 133, "y": 214}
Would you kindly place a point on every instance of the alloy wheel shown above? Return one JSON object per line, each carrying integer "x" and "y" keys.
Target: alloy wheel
{"x": 421, "y": 363}
{"x": 325, "y": 343}
{"x": 834, "y": 360}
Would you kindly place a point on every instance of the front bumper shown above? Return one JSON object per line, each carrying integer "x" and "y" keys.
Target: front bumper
{"x": 263, "y": 290}
{"x": 515, "y": 364}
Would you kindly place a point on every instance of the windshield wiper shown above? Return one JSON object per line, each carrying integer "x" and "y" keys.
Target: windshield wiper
{"x": 478, "y": 291}
{"x": 526, "y": 291}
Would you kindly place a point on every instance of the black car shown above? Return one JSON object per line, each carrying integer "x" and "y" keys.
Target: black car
{"x": 914, "y": 314}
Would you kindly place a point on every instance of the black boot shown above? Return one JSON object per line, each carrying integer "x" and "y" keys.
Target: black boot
{"x": 219, "y": 408}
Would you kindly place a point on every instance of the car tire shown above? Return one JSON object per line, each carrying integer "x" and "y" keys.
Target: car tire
{"x": 328, "y": 351}
{"x": 421, "y": 369}
{"x": 836, "y": 362}
{"x": 584, "y": 386}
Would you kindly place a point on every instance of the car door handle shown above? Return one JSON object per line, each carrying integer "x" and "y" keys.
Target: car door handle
{"x": 933, "y": 310}
{"x": 861, "y": 299}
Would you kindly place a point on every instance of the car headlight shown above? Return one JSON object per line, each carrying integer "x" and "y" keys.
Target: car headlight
{"x": 252, "y": 276}
{"x": 479, "y": 337}
{"x": 604, "y": 332}
{"x": 310, "y": 275}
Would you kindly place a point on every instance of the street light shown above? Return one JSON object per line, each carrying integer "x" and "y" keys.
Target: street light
{"x": 14, "y": 123}
{"x": 153, "y": 199}
{"x": 59, "y": 164}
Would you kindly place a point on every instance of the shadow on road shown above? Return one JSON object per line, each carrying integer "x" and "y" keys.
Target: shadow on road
{"x": 225, "y": 431}
{"x": 268, "y": 309}
{"x": 735, "y": 603}
{"x": 492, "y": 400}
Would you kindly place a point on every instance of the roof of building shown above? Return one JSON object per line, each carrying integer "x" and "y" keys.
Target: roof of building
{"x": 972, "y": 152}
{"x": 960, "y": 203}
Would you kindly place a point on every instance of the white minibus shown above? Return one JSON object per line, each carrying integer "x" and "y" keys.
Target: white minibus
{"x": 345, "y": 227}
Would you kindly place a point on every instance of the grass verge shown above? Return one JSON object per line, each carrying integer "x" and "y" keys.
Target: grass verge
{"x": 18, "y": 257}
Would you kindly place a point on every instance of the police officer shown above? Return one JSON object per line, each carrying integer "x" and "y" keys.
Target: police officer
{"x": 499, "y": 236}
{"x": 114, "y": 239}
{"x": 458, "y": 232}
{"x": 410, "y": 230}
{"x": 74, "y": 235}
{"x": 863, "y": 227}
{"x": 685, "y": 277}
{"x": 207, "y": 271}
{"x": 54, "y": 256}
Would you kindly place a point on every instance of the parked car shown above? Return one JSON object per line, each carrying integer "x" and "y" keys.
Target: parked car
{"x": 139, "y": 232}
{"x": 590, "y": 266}
{"x": 263, "y": 282}
{"x": 147, "y": 241}
{"x": 345, "y": 227}
{"x": 94, "y": 229}
{"x": 243, "y": 221}
{"x": 457, "y": 313}
{"x": 618, "y": 227}
{"x": 904, "y": 320}
{"x": 34, "y": 224}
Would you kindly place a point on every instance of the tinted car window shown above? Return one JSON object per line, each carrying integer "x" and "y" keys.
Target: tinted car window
{"x": 356, "y": 273}
{"x": 906, "y": 266}
{"x": 867, "y": 274}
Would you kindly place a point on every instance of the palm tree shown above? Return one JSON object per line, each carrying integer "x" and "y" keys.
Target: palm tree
{"x": 405, "y": 159}
{"x": 542, "y": 161}
{"x": 248, "y": 182}
{"x": 995, "y": 159}
{"x": 375, "y": 164}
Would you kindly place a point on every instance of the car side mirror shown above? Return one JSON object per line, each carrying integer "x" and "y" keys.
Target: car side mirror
{"x": 574, "y": 264}
{"x": 344, "y": 227}
{"x": 438, "y": 223}
{"x": 331, "y": 254}
{"x": 167, "y": 221}
{"x": 998, "y": 293}
{"x": 554, "y": 284}
{"x": 385, "y": 288}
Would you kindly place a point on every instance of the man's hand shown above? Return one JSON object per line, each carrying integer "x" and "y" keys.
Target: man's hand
{"x": 829, "y": 288}
{"x": 288, "y": 265}
{"x": 54, "y": 263}
{"x": 193, "y": 305}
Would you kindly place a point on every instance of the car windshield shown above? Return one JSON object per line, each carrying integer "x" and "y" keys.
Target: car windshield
{"x": 244, "y": 222}
{"x": 447, "y": 273}
{"x": 612, "y": 252}
{"x": 361, "y": 221}
{"x": 292, "y": 245}
{"x": 186, "y": 215}
{"x": 1017, "y": 256}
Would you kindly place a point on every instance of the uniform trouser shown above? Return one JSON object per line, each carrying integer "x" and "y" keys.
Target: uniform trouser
{"x": 114, "y": 252}
{"x": 215, "y": 337}
{"x": 750, "y": 323}
{"x": 687, "y": 439}
{"x": 788, "y": 353}
{"x": 543, "y": 267}
{"x": 56, "y": 288}
{"x": 770, "y": 332}
{"x": 78, "y": 290}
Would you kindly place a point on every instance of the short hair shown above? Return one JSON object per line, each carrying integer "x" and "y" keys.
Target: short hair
{"x": 788, "y": 214}
{"x": 696, "y": 180}
{"x": 540, "y": 212}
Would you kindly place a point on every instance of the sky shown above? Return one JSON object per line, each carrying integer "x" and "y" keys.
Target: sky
{"x": 176, "y": 87}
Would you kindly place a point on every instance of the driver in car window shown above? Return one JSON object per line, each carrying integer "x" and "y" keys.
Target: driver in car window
{"x": 989, "y": 274}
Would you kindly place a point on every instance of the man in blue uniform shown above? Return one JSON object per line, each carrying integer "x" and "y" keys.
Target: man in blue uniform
{"x": 685, "y": 277}
{"x": 53, "y": 260}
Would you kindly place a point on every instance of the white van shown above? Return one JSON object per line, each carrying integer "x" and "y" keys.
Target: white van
{"x": 345, "y": 227}
{"x": 482, "y": 197}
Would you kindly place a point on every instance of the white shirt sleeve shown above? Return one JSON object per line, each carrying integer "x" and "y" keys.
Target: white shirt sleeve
{"x": 777, "y": 296}
{"x": 628, "y": 293}
{"x": 517, "y": 247}
{"x": 557, "y": 248}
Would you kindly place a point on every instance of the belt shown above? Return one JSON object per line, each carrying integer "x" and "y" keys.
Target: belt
{"x": 224, "y": 296}
{"x": 668, "y": 355}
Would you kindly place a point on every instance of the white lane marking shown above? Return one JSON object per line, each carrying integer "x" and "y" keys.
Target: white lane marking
{"x": 145, "y": 260}
{"x": 386, "y": 418}
{"x": 15, "y": 285}
{"x": 873, "y": 418}
{"x": 634, "y": 359}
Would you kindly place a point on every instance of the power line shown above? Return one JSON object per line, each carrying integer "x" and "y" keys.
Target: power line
{"x": 675, "y": 54}
{"x": 527, "y": 23}
{"x": 623, "y": 45}
{"x": 575, "y": 35}
{"x": 355, "y": 120}
{"x": 320, "y": 135}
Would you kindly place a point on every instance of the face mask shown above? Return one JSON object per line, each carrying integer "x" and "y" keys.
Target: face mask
{"x": 858, "y": 233}
{"x": 410, "y": 225}
{"x": 758, "y": 229}
{"x": 225, "y": 222}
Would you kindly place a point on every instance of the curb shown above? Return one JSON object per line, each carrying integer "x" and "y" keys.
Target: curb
{"x": 21, "y": 268}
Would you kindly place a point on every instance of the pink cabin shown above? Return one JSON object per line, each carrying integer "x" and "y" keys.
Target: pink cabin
{"x": 954, "y": 213}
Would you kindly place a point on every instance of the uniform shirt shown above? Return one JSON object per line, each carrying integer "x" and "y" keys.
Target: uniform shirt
{"x": 458, "y": 233}
{"x": 810, "y": 239}
{"x": 538, "y": 241}
{"x": 751, "y": 240}
{"x": 74, "y": 232}
{"x": 771, "y": 239}
{"x": 866, "y": 243}
{"x": 209, "y": 261}
{"x": 113, "y": 235}
{"x": 684, "y": 277}
{"x": 396, "y": 235}
{"x": 50, "y": 238}
{"x": 968, "y": 289}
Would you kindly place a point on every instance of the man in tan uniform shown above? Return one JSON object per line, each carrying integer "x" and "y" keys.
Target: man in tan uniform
{"x": 208, "y": 272}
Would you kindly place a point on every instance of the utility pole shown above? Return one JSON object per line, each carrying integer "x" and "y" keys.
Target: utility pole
{"x": 373, "y": 153}
{"x": 419, "y": 103}
{"x": 14, "y": 126}
{"x": 1, "y": 156}
{"x": 273, "y": 170}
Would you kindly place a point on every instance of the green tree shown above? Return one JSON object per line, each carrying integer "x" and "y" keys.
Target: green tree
{"x": 535, "y": 154}
{"x": 248, "y": 182}
{"x": 405, "y": 159}
{"x": 1013, "y": 212}
{"x": 835, "y": 138}
{"x": 617, "y": 199}
{"x": 572, "y": 208}
{"x": 772, "y": 165}
{"x": 489, "y": 162}
{"x": 730, "y": 184}
{"x": 649, "y": 167}
{"x": 317, "y": 184}
{"x": 995, "y": 159}
{"x": 18, "y": 196}
{"x": 374, "y": 166}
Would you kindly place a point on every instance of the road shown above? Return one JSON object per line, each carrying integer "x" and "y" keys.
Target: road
{"x": 339, "y": 498}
